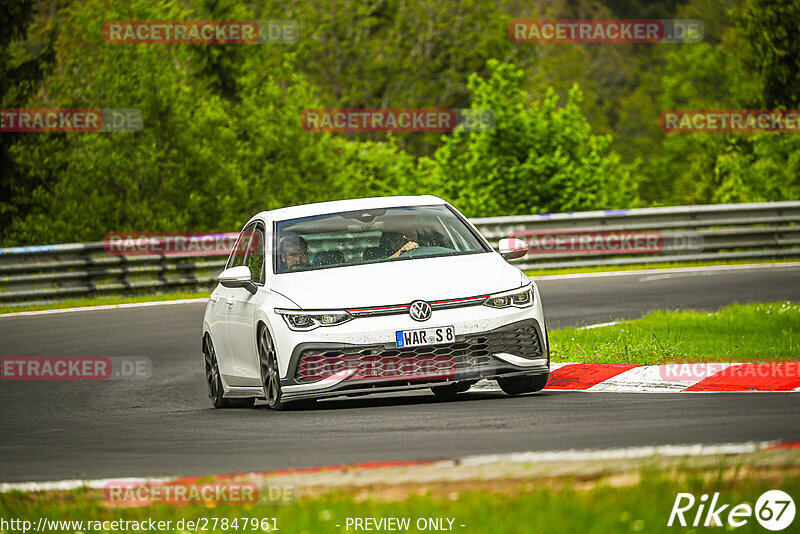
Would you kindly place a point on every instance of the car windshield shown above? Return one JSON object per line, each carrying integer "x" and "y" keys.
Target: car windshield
{"x": 372, "y": 236}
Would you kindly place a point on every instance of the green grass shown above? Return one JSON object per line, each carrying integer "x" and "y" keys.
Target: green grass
{"x": 643, "y": 267}
{"x": 103, "y": 301}
{"x": 737, "y": 333}
{"x": 554, "y": 506}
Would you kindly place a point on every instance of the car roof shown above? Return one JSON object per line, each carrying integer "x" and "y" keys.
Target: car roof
{"x": 336, "y": 206}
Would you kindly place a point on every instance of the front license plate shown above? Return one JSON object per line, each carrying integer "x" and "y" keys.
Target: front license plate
{"x": 425, "y": 336}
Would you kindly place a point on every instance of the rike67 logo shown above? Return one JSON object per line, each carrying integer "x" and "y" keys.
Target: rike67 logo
{"x": 774, "y": 510}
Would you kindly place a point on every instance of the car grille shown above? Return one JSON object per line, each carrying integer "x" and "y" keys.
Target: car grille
{"x": 473, "y": 353}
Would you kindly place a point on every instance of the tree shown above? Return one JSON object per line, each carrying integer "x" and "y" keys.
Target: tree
{"x": 395, "y": 53}
{"x": 220, "y": 66}
{"x": 771, "y": 29}
{"x": 21, "y": 72}
{"x": 539, "y": 158}
{"x": 202, "y": 161}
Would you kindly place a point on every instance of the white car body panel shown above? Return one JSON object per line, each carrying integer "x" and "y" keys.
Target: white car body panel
{"x": 399, "y": 282}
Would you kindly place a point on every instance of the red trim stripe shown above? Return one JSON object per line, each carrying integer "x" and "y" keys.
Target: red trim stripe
{"x": 379, "y": 309}
{"x": 457, "y": 300}
{"x": 406, "y": 306}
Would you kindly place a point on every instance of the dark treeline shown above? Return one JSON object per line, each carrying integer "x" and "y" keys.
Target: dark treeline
{"x": 577, "y": 125}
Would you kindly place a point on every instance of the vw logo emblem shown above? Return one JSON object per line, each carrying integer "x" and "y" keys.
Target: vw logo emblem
{"x": 420, "y": 310}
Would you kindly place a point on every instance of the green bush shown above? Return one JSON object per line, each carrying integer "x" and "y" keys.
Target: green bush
{"x": 539, "y": 158}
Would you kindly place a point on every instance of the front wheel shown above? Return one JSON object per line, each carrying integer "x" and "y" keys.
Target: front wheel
{"x": 270, "y": 376}
{"x": 215, "y": 390}
{"x": 517, "y": 385}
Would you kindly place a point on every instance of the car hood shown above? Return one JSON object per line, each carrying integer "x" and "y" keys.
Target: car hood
{"x": 399, "y": 282}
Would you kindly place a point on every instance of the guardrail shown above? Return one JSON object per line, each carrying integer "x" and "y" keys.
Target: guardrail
{"x": 685, "y": 233}
{"x": 689, "y": 233}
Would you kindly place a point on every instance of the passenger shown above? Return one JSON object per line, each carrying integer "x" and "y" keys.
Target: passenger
{"x": 294, "y": 253}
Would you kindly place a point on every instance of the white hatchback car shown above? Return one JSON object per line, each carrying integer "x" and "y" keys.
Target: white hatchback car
{"x": 370, "y": 295}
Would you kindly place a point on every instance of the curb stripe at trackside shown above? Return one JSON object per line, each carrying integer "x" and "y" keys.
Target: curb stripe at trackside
{"x": 703, "y": 377}
{"x": 622, "y": 453}
{"x": 784, "y": 445}
{"x": 773, "y": 376}
{"x": 67, "y": 485}
{"x": 315, "y": 469}
{"x": 571, "y": 455}
{"x": 657, "y": 378}
{"x": 671, "y": 378}
{"x": 583, "y": 376}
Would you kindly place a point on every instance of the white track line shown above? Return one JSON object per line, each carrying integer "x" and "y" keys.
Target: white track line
{"x": 104, "y": 307}
{"x": 645, "y": 272}
{"x": 598, "y": 325}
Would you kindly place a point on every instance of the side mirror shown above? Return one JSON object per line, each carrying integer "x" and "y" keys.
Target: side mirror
{"x": 238, "y": 277}
{"x": 512, "y": 248}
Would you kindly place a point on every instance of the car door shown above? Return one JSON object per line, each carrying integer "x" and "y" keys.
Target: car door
{"x": 220, "y": 302}
{"x": 241, "y": 312}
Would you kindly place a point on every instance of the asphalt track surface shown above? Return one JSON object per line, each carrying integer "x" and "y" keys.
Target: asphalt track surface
{"x": 164, "y": 425}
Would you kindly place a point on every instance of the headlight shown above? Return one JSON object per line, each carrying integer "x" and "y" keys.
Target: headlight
{"x": 309, "y": 320}
{"x": 519, "y": 298}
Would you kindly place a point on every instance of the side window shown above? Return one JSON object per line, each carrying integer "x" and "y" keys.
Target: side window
{"x": 255, "y": 255}
{"x": 237, "y": 256}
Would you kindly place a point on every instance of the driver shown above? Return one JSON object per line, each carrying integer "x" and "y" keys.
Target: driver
{"x": 402, "y": 241}
{"x": 294, "y": 252}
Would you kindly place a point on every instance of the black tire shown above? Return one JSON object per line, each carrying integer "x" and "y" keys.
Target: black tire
{"x": 270, "y": 376}
{"x": 450, "y": 391}
{"x": 518, "y": 385}
{"x": 215, "y": 390}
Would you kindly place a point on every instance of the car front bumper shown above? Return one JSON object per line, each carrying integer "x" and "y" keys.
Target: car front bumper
{"x": 325, "y": 369}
